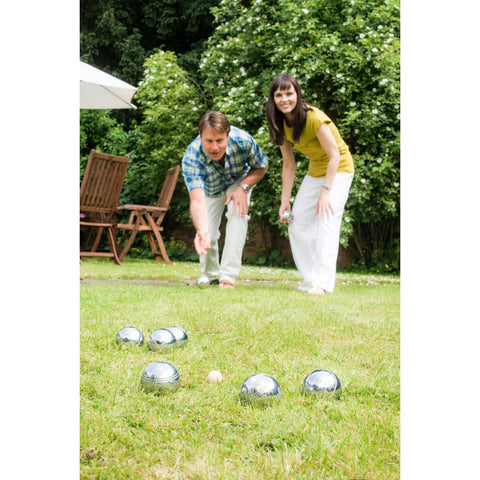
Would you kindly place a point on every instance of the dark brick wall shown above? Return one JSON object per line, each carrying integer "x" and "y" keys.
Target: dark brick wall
{"x": 259, "y": 241}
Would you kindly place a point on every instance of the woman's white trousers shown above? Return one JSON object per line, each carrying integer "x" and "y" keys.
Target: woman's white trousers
{"x": 315, "y": 242}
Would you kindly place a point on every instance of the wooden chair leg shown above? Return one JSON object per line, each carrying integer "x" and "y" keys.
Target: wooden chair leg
{"x": 153, "y": 247}
{"x": 129, "y": 244}
{"x": 121, "y": 242}
{"x": 96, "y": 242}
{"x": 134, "y": 230}
{"x": 113, "y": 245}
{"x": 161, "y": 245}
{"x": 131, "y": 221}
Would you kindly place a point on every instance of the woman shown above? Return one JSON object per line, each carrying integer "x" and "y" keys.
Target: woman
{"x": 314, "y": 225}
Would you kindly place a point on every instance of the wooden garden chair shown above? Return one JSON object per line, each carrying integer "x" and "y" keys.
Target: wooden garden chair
{"x": 99, "y": 199}
{"x": 149, "y": 219}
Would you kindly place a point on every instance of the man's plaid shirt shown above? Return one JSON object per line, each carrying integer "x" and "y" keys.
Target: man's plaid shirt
{"x": 200, "y": 171}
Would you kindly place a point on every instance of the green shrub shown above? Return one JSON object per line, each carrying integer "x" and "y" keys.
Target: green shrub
{"x": 178, "y": 250}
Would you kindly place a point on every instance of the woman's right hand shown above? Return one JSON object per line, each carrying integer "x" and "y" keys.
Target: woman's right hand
{"x": 285, "y": 217}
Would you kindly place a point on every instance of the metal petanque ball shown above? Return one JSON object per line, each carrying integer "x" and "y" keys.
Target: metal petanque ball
{"x": 181, "y": 337}
{"x": 203, "y": 282}
{"x": 260, "y": 389}
{"x": 287, "y": 215}
{"x": 130, "y": 336}
{"x": 160, "y": 377}
{"x": 322, "y": 383}
{"x": 161, "y": 339}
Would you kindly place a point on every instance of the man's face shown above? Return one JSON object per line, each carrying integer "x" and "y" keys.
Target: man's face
{"x": 214, "y": 143}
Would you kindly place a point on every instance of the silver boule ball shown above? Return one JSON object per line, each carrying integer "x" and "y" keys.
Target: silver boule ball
{"x": 181, "y": 337}
{"x": 161, "y": 339}
{"x": 322, "y": 383}
{"x": 286, "y": 215}
{"x": 260, "y": 389}
{"x": 160, "y": 377}
{"x": 130, "y": 336}
{"x": 203, "y": 282}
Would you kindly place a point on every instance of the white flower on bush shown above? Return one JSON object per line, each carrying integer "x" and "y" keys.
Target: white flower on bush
{"x": 306, "y": 11}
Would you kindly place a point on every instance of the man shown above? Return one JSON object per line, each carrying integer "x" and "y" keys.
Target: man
{"x": 220, "y": 167}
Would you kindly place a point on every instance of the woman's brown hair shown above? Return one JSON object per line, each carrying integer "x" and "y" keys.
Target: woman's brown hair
{"x": 275, "y": 118}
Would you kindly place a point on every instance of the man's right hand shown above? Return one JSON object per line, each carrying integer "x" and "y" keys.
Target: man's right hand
{"x": 202, "y": 242}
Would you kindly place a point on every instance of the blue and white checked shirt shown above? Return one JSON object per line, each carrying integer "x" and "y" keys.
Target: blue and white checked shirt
{"x": 200, "y": 171}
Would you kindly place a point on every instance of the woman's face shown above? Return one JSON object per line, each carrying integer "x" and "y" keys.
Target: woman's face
{"x": 285, "y": 100}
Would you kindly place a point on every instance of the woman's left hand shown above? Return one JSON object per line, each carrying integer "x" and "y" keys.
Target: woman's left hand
{"x": 324, "y": 207}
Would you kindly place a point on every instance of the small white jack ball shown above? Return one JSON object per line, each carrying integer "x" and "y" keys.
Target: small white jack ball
{"x": 214, "y": 376}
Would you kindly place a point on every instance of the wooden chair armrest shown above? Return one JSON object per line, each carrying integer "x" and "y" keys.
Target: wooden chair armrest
{"x": 146, "y": 208}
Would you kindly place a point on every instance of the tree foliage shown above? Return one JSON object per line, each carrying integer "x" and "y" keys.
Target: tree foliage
{"x": 117, "y": 35}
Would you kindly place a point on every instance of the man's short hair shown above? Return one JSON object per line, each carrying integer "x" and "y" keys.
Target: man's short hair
{"x": 215, "y": 120}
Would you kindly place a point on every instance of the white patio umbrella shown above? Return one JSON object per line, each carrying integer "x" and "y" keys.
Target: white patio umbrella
{"x": 99, "y": 90}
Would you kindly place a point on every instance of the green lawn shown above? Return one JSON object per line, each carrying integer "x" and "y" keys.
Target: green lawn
{"x": 202, "y": 431}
